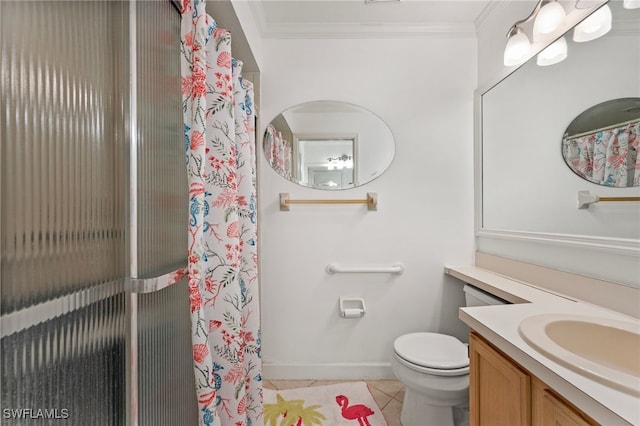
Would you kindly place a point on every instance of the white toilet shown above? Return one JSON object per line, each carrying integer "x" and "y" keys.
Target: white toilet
{"x": 434, "y": 369}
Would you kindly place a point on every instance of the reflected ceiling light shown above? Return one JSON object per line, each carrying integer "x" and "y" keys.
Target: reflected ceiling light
{"x": 343, "y": 157}
{"x": 340, "y": 162}
{"x": 518, "y": 47}
{"x": 595, "y": 25}
{"x": 548, "y": 19}
{"x": 631, "y": 4}
{"x": 554, "y": 53}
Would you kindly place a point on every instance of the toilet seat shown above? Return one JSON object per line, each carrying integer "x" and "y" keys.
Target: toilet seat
{"x": 432, "y": 353}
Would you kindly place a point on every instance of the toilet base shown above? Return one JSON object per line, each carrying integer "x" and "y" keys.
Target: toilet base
{"x": 461, "y": 415}
{"x": 415, "y": 410}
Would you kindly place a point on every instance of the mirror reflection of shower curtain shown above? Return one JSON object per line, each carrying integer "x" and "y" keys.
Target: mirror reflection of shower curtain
{"x": 279, "y": 152}
{"x": 608, "y": 157}
{"x": 219, "y": 125}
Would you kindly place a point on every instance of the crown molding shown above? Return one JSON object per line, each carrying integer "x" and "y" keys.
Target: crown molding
{"x": 373, "y": 30}
{"x": 491, "y": 10}
{"x": 328, "y": 30}
{"x": 257, "y": 9}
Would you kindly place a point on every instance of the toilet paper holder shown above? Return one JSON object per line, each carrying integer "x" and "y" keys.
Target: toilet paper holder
{"x": 351, "y": 307}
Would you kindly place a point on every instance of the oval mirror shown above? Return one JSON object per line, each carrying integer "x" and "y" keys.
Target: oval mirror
{"x": 601, "y": 144}
{"x": 328, "y": 145}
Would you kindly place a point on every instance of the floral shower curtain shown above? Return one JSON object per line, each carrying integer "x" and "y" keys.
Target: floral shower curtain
{"x": 219, "y": 125}
{"x": 609, "y": 157}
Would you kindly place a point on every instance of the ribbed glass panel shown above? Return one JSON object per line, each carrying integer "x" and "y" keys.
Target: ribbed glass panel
{"x": 63, "y": 84}
{"x": 69, "y": 368}
{"x": 62, "y": 191}
{"x": 63, "y": 213}
{"x": 166, "y": 382}
{"x": 162, "y": 178}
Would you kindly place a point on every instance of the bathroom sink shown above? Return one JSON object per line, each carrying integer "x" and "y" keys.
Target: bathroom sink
{"x": 603, "y": 349}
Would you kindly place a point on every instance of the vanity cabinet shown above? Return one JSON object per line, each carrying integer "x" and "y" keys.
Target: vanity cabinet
{"x": 550, "y": 408}
{"x": 501, "y": 392}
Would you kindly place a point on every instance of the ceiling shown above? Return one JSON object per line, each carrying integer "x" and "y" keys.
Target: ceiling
{"x": 339, "y": 18}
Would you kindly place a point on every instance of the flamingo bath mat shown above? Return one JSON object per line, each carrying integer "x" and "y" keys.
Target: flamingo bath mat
{"x": 343, "y": 404}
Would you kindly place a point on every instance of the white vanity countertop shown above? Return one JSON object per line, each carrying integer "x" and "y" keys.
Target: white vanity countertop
{"x": 499, "y": 325}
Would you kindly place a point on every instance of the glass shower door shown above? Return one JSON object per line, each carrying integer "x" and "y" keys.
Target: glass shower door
{"x": 92, "y": 215}
{"x": 63, "y": 82}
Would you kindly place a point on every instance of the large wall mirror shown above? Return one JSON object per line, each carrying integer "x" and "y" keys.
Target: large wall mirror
{"x": 328, "y": 145}
{"x": 527, "y": 185}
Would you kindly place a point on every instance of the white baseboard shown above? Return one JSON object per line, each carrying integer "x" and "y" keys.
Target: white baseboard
{"x": 328, "y": 371}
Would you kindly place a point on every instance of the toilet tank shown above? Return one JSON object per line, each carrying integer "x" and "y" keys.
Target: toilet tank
{"x": 476, "y": 297}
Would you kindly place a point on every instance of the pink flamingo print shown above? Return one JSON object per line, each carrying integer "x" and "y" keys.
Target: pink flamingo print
{"x": 358, "y": 412}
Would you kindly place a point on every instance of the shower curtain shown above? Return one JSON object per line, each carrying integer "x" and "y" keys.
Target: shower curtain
{"x": 279, "y": 152}
{"x": 607, "y": 157}
{"x": 219, "y": 125}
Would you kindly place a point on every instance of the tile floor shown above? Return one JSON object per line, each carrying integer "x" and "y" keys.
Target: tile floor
{"x": 388, "y": 394}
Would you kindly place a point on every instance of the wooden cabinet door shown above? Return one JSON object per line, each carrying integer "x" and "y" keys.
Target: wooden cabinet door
{"x": 550, "y": 409}
{"x": 500, "y": 391}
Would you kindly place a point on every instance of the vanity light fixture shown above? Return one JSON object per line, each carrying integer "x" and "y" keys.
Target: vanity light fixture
{"x": 548, "y": 19}
{"x": 631, "y": 4}
{"x": 549, "y": 16}
{"x": 518, "y": 47}
{"x": 595, "y": 25}
{"x": 554, "y": 53}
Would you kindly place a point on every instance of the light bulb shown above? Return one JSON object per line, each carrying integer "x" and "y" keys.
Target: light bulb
{"x": 548, "y": 19}
{"x": 554, "y": 53}
{"x": 595, "y": 25}
{"x": 517, "y": 49}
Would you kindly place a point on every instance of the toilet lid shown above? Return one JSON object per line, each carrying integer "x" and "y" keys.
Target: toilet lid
{"x": 432, "y": 350}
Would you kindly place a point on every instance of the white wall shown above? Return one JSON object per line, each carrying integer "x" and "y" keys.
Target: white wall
{"x": 245, "y": 15}
{"x": 423, "y": 89}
